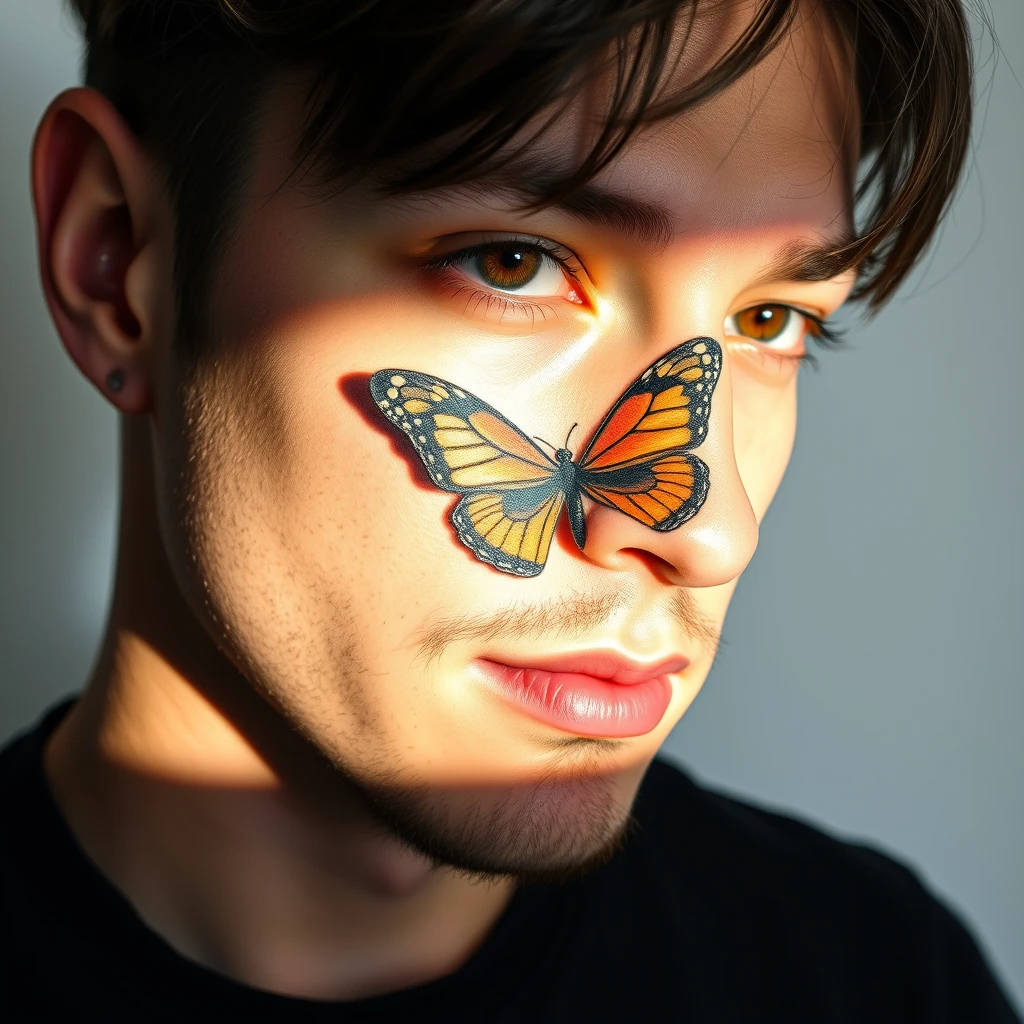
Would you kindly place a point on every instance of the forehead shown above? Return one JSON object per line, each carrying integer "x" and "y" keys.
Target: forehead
{"x": 770, "y": 158}
{"x": 777, "y": 147}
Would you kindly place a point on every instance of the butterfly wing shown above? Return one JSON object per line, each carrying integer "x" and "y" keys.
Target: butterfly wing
{"x": 661, "y": 495}
{"x": 638, "y": 460}
{"x": 512, "y": 489}
{"x": 510, "y": 530}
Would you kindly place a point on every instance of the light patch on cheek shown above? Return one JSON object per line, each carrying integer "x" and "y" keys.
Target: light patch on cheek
{"x": 557, "y": 368}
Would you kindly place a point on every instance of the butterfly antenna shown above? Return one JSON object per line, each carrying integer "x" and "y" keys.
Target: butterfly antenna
{"x": 567, "y": 436}
{"x": 548, "y": 443}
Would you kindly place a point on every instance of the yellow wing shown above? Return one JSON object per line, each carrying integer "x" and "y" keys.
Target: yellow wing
{"x": 510, "y": 530}
{"x": 512, "y": 489}
{"x": 464, "y": 443}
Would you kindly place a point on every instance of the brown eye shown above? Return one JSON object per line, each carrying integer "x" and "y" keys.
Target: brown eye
{"x": 773, "y": 325}
{"x": 513, "y": 270}
{"x": 763, "y": 323}
{"x": 508, "y": 266}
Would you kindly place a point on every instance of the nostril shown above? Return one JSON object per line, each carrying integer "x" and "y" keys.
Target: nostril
{"x": 662, "y": 569}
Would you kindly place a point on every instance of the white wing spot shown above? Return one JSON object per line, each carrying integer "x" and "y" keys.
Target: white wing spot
{"x": 397, "y": 381}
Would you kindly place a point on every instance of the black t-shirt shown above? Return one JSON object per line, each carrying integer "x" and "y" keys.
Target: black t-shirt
{"x": 713, "y": 912}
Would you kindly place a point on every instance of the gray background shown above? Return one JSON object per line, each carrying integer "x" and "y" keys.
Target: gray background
{"x": 871, "y": 675}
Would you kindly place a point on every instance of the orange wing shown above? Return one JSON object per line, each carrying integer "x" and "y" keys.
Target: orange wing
{"x": 661, "y": 495}
{"x": 638, "y": 460}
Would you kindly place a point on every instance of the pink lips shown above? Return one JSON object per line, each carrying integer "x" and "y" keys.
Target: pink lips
{"x": 593, "y": 693}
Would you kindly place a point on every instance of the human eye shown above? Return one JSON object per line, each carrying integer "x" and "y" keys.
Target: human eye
{"x": 511, "y": 278}
{"x": 779, "y": 330}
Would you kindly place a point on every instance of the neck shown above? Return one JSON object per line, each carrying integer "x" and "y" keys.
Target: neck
{"x": 232, "y": 837}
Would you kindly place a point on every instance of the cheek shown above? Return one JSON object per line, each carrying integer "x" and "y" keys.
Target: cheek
{"x": 764, "y": 425}
{"x": 331, "y": 514}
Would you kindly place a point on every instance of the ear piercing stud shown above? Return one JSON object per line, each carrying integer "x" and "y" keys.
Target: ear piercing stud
{"x": 115, "y": 380}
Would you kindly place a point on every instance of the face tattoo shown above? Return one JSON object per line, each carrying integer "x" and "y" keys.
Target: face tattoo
{"x": 638, "y": 460}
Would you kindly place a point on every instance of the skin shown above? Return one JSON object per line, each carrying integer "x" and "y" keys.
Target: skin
{"x": 285, "y": 757}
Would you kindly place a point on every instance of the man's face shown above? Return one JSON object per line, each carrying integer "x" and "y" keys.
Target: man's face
{"x": 318, "y": 553}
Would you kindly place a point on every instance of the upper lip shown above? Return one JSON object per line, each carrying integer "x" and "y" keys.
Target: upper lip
{"x": 608, "y": 665}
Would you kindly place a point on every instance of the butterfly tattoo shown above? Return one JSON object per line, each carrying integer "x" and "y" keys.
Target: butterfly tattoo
{"x": 638, "y": 461}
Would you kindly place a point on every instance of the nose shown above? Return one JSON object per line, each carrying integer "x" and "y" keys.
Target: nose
{"x": 711, "y": 548}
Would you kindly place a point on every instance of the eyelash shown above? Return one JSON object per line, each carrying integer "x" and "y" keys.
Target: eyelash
{"x": 825, "y": 334}
{"x": 565, "y": 258}
{"x": 822, "y": 332}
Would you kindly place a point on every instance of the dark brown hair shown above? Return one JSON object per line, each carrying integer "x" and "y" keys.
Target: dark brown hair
{"x": 391, "y": 79}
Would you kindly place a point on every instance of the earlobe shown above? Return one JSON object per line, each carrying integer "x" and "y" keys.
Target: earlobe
{"x": 91, "y": 186}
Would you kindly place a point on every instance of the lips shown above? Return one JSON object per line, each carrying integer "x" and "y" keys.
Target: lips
{"x": 596, "y": 693}
{"x": 612, "y": 667}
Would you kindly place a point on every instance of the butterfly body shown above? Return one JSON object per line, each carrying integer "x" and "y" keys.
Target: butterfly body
{"x": 568, "y": 473}
{"x": 637, "y": 461}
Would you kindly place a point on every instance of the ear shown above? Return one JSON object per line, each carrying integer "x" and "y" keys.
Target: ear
{"x": 101, "y": 221}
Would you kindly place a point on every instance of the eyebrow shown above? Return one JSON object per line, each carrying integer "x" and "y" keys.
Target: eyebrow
{"x": 644, "y": 222}
{"x": 820, "y": 259}
{"x": 648, "y": 223}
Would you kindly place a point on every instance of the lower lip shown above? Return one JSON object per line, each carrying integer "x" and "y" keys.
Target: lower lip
{"x": 582, "y": 704}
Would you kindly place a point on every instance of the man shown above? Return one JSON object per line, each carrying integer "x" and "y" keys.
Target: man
{"x": 457, "y": 349}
